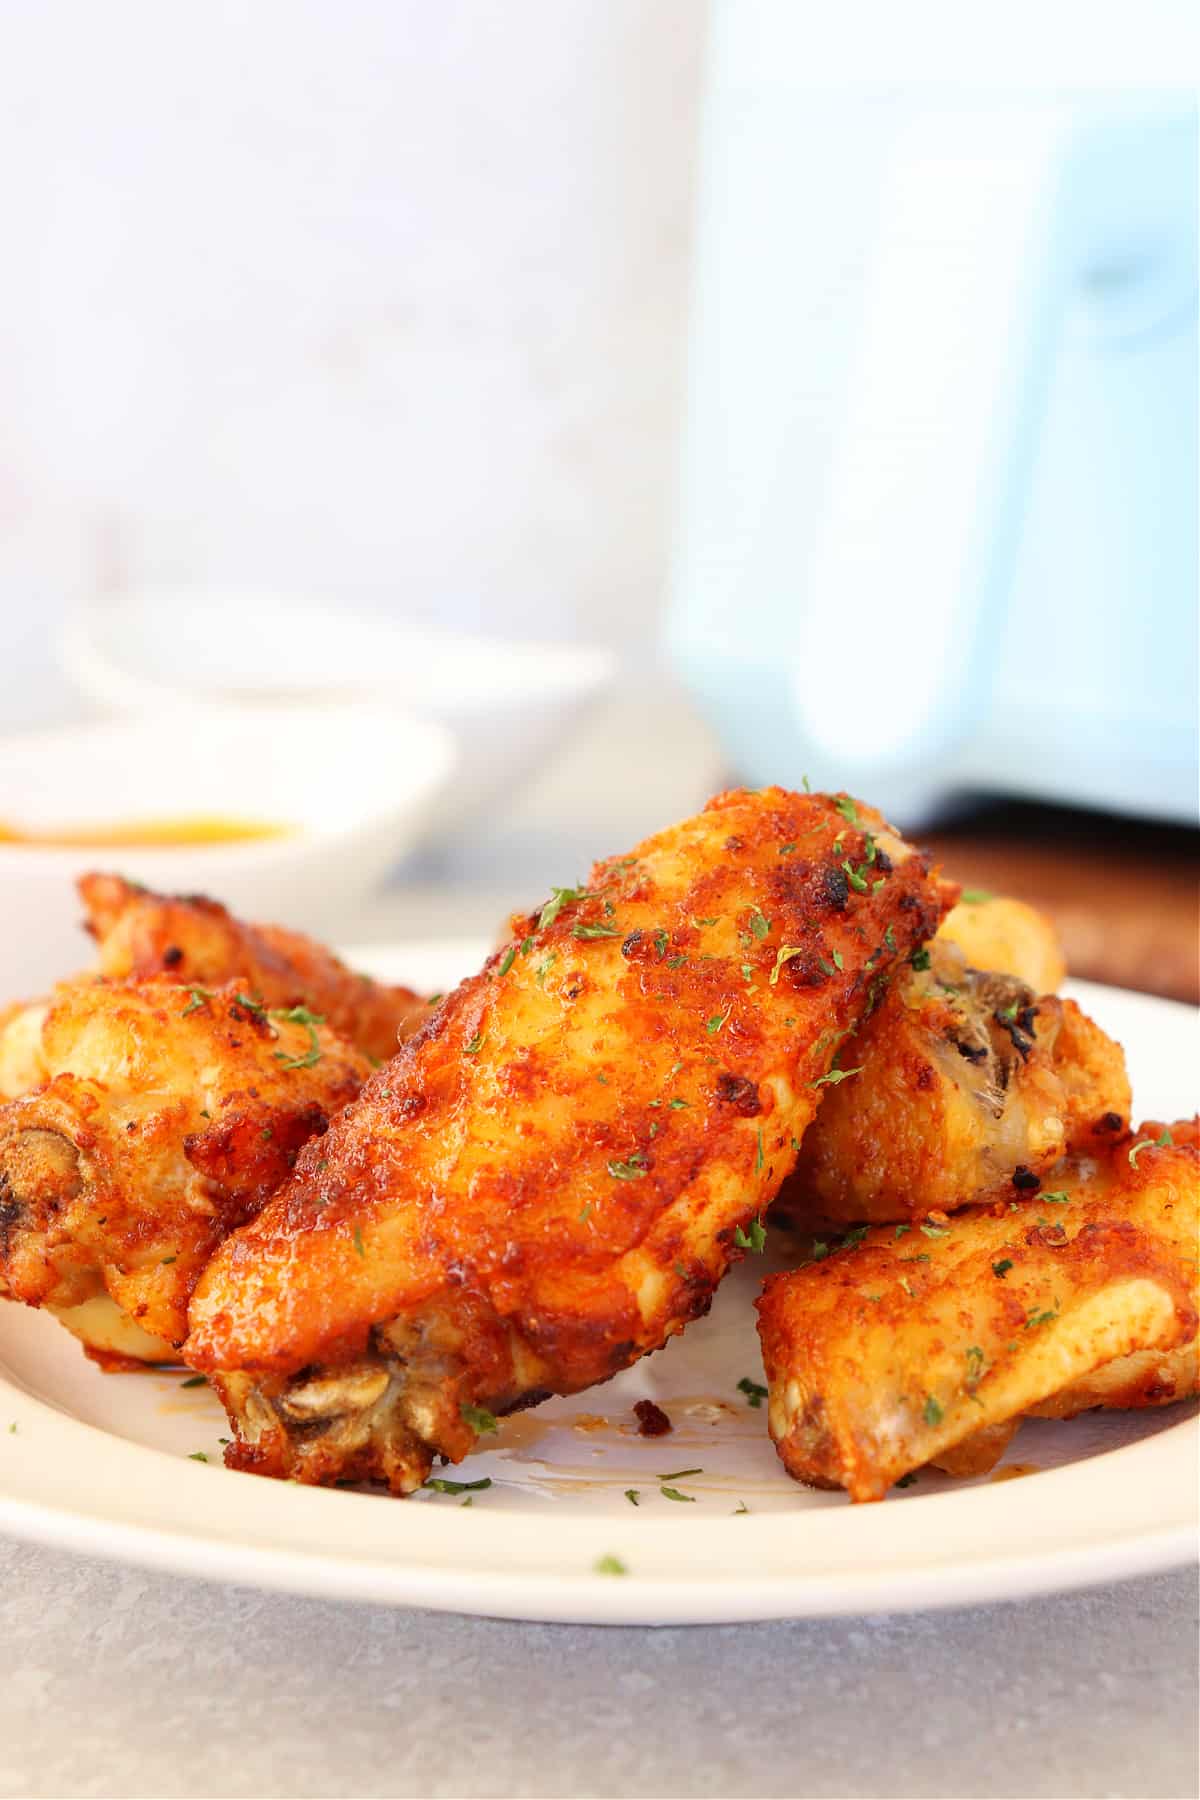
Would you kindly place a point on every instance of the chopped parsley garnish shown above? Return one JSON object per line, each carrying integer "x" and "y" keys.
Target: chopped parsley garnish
{"x": 718, "y": 1019}
{"x": 758, "y": 1158}
{"x": 932, "y": 1413}
{"x": 526, "y": 947}
{"x": 594, "y": 931}
{"x": 197, "y": 1456}
{"x": 975, "y": 1361}
{"x": 755, "y": 1239}
{"x": 834, "y": 1076}
{"x": 1059, "y": 1199}
{"x": 889, "y": 938}
{"x": 507, "y": 960}
{"x": 633, "y": 1495}
{"x": 629, "y": 1170}
{"x": 806, "y": 784}
{"x": 358, "y": 1242}
{"x": 441, "y": 1485}
{"x": 300, "y": 1015}
{"x": 661, "y": 940}
{"x": 854, "y": 876}
{"x": 784, "y": 954}
{"x": 975, "y": 896}
{"x": 786, "y": 849}
{"x": 1041, "y": 1318}
{"x": 901, "y": 1229}
{"x": 754, "y": 1391}
{"x": 678, "y": 1474}
{"x": 479, "y": 1418}
{"x": 919, "y": 959}
{"x": 609, "y": 1565}
{"x": 200, "y": 997}
{"x": 936, "y": 1231}
{"x": 560, "y": 897}
{"x": 760, "y": 925}
{"x": 194, "y": 1381}
{"x": 670, "y": 1493}
{"x": 1158, "y": 1143}
{"x": 543, "y": 968}
{"x": 906, "y": 1480}
{"x": 1000, "y": 1269}
{"x": 676, "y": 962}
{"x": 475, "y": 1045}
{"x": 166, "y": 1260}
{"x": 585, "y": 1213}
{"x": 847, "y": 808}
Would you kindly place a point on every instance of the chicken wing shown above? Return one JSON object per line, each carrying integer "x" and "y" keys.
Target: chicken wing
{"x": 971, "y": 1086}
{"x": 1008, "y": 937}
{"x": 900, "y": 1347}
{"x": 551, "y": 1178}
{"x": 168, "y": 1116}
{"x": 195, "y": 940}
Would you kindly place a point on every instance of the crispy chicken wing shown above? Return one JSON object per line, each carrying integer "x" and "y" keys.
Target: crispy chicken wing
{"x": 1008, "y": 937}
{"x": 970, "y": 1086}
{"x": 902, "y": 1346}
{"x": 551, "y": 1178}
{"x": 194, "y": 940}
{"x": 168, "y": 1117}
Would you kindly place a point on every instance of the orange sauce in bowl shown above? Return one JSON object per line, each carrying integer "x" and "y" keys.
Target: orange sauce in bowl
{"x": 183, "y": 832}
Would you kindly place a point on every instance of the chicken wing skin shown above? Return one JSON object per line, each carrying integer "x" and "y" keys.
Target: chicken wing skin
{"x": 196, "y": 940}
{"x": 1009, "y": 937}
{"x": 970, "y": 1084}
{"x": 168, "y": 1117}
{"x": 551, "y": 1178}
{"x": 901, "y": 1347}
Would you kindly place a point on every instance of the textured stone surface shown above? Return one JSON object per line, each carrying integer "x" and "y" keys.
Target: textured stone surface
{"x": 121, "y": 1683}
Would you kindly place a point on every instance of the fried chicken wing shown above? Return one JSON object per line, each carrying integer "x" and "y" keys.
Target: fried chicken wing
{"x": 168, "y": 1117}
{"x": 1007, "y": 937}
{"x": 22, "y": 1065}
{"x": 551, "y": 1178}
{"x": 197, "y": 941}
{"x": 902, "y": 1346}
{"x": 970, "y": 1086}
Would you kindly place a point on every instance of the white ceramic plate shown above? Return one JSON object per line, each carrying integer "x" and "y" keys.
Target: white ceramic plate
{"x": 103, "y": 1464}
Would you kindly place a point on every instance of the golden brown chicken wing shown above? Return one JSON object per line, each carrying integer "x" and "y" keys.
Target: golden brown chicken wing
{"x": 194, "y": 940}
{"x": 971, "y": 1086}
{"x": 1009, "y": 937}
{"x": 170, "y": 1114}
{"x": 901, "y": 1347}
{"x": 553, "y": 1176}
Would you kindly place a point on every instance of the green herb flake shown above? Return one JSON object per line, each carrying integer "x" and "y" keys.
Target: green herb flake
{"x": 847, "y": 808}
{"x": 661, "y": 940}
{"x": 714, "y": 1024}
{"x": 676, "y": 962}
{"x": 674, "y": 1105}
{"x": 1060, "y": 1199}
{"x": 975, "y": 896}
{"x": 1000, "y": 1269}
{"x": 932, "y": 1412}
{"x": 906, "y": 1481}
{"x": 197, "y": 1456}
{"x": 300, "y": 1015}
{"x": 441, "y": 1485}
{"x": 670, "y": 1493}
{"x": 200, "y": 997}
{"x": 936, "y": 1231}
{"x": 479, "y": 1418}
{"x": 678, "y": 1474}
{"x": 543, "y": 968}
{"x": 560, "y": 897}
{"x": 166, "y": 1261}
{"x": 901, "y": 1229}
{"x": 758, "y": 1155}
{"x": 835, "y": 1076}
{"x": 634, "y": 1496}
{"x": 754, "y": 1240}
{"x": 889, "y": 938}
{"x": 507, "y": 960}
{"x": 1041, "y": 1318}
{"x": 919, "y": 959}
{"x": 760, "y": 925}
{"x": 475, "y": 1045}
{"x": 1158, "y": 1143}
{"x": 594, "y": 931}
{"x": 358, "y": 1242}
{"x": 754, "y": 1391}
{"x": 609, "y": 1565}
{"x": 195, "y": 1381}
{"x": 783, "y": 955}
{"x": 632, "y": 1169}
{"x": 786, "y": 849}
{"x": 854, "y": 877}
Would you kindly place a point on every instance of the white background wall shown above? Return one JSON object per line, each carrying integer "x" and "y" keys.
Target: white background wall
{"x": 377, "y": 298}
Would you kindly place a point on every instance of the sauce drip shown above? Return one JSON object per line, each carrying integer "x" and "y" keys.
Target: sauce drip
{"x": 154, "y": 834}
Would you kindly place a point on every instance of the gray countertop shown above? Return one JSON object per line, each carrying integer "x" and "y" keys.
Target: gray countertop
{"x": 123, "y": 1683}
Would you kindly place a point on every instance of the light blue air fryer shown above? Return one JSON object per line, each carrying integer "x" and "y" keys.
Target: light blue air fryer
{"x": 938, "y": 531}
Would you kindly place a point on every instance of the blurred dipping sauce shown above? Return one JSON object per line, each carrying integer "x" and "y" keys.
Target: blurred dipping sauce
{"x": 158, "y": 834}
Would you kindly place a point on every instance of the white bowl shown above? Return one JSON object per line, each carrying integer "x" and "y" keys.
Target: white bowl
{"x": 507, "y": 703}
{"x": 355, "y": 783}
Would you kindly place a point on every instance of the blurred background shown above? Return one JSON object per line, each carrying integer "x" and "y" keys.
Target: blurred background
{"x": 530, "y": 419}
